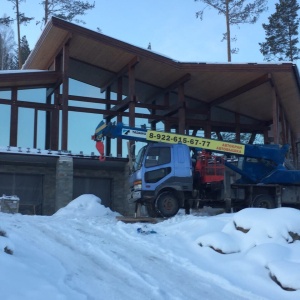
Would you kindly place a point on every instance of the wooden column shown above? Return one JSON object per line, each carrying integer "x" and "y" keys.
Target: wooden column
{"x": 107, "y": 106}
{"x": 237, "y": 128}
{"x": 282, "y": 137}
{"x": 55, "y": 122}
{"x": 252, "y": 138}
{"x": 54, "y": 128}
{"x": 153, "y": 112}
{"x": 131, "y": 95}
{"x": 275, "y": 113}
{"x": 48, "y": 126}
{"x": 167, "y": 126}
{"x": 35, "y": 125}
{"x": 119, "y": 117}
{"x": 207, "y": 129}
{"x": 14, "y": 118}
{"x": 181, "y": 111}
{"x": 266, "y": 137}
{"x": 65, "y": 98}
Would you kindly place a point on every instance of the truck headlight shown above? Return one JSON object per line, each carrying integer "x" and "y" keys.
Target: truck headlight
{"x": 137, "y": 185}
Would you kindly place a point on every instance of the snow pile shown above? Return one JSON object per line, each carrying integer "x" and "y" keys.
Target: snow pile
{"x": 268, "y": 237}
{"x": 83, "y": 252}
{"x": 84, "y": 206}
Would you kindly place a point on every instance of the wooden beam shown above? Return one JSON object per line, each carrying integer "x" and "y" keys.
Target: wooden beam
{"x": 51, "y": 90}
{"x": 28, "y": 104}
{"x": 5, "y": 102}
{"x": 118, "y": 108}
{"x": 252, "y": 138}
{"x": 60, "y": 48}
{"x": 91, "y": 99}
{"x": 170, "y": 87}
{"x": 120, "y": 73}
{"x": 243, "y": 89}
{"x": 28, "y": 80}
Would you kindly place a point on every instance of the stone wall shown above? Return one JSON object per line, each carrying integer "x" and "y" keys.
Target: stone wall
{"x": 49, "y": 179}
{"x": 58, "y": 182}
{"x": 119, "y": 186}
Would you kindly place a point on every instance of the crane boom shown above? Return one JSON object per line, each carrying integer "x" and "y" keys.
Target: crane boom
{"x": 274, "y": 153}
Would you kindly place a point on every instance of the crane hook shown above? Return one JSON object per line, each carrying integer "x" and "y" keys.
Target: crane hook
{"x": 100, "y": 148}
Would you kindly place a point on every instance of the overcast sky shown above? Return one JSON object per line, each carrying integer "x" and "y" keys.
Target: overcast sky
{"x": 170, "y": 25}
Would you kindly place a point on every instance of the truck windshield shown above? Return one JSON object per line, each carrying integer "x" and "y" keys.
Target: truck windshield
{"x": 139, "y": 159}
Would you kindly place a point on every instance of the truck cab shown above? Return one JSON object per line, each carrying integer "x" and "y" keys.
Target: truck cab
{"x": 161, "y": 174}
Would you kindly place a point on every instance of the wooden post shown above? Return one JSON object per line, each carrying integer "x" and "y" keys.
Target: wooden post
{"x": 55, "y": 122}
{"x": 237, "y": 128}
{"x": 266, "y": 137}
{"x": 35, "y": 128}
{"x": 131, "y": 89}
{"x": 181, "y": 111}
{"x": 107, "y": 106}
{"x": 119, "y": 117}
{"x": 14, "y": 118}
{"x": 207, "y": 129}
{"x": 48, "y": 126}
{"x": 275, "y": 116}
{"x": 65, "y": 98}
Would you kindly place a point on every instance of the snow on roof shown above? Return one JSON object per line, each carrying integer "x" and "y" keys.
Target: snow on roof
{"x": 21, "y": 71}
{"x": 38, "y": 151}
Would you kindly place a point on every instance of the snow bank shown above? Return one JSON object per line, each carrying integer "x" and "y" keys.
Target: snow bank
{"x": 269, "y": 237}
{"x": 220, "y": 242}
{"x": 278, "y": 224}
{"x": 87, "y": 205}
{"x": 93, "y": 258}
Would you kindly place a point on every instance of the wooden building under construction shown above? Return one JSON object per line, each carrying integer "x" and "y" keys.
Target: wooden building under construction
{"x": 135, "y": 86}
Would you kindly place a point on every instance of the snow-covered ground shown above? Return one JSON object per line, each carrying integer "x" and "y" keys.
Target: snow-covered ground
{"x": 84, "y": 252}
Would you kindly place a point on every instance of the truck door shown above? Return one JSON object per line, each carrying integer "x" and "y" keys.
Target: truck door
{"x": 157, "y": 167}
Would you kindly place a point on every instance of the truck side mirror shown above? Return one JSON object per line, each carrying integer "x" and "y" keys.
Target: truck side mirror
{"x": 132, "y": 152}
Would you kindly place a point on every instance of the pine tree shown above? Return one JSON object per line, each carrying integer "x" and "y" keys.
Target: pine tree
{"x": 7, "y": 46}
{"x": 21, "y": 19}
{"x": 236, "y": 12}
{"x": 66, "y": 9}
{"x": 25, "y": 50}
{"x": 282, "y": 33}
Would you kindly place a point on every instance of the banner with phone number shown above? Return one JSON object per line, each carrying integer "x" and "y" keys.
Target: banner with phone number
{"x": 191, "y": 141}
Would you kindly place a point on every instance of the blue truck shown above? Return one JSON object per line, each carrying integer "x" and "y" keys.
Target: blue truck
{"x": 174, "y": 171}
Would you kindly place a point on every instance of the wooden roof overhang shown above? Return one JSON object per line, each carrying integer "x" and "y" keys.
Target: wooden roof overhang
{"x": 223, "y": 89}
{"x": 28, "y": 79}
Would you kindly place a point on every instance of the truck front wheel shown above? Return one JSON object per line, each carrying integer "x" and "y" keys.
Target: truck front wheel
{"x": 152, "y": 212}
{"x": 263, "y": 201}
{"x": 167, "y": 204}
